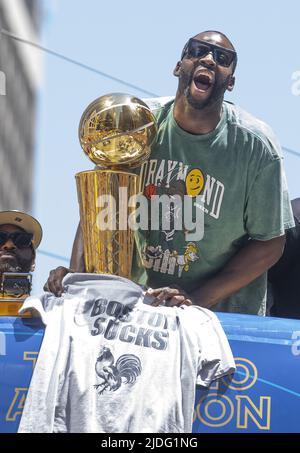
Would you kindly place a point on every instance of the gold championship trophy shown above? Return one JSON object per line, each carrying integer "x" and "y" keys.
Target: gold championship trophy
{"x": 116, "y": 132}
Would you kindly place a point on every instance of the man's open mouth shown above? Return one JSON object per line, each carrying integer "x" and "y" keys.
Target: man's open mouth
{"x": 203, "y": 82}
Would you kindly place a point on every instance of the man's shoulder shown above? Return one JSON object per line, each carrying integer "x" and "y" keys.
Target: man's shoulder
{"x": 248, "y": 124}
{"x": 160, "y": 106}
{"x": 156, "y": 104}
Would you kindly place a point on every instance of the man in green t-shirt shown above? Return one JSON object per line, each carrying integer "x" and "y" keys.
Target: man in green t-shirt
{"x": 230, "y": 163}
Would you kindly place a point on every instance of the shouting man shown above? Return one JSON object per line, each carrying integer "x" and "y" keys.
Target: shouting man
{"x": 210, "y": 148}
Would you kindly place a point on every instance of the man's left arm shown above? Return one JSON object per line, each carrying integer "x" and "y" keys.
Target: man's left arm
{"x": 267, "y": 215}
{"x": 248, "y": 264}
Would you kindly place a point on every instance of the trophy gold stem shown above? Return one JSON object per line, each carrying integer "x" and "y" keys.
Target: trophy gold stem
{"x": 103, "y": 197}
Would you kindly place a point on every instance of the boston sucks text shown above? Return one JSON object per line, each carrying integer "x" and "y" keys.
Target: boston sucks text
{"x": 141, "y": 327}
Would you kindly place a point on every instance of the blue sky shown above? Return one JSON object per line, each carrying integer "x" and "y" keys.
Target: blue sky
{"x": 140, "y": 42}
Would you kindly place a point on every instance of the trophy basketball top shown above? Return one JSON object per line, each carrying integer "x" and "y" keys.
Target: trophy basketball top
{"x": 116, "y": 130}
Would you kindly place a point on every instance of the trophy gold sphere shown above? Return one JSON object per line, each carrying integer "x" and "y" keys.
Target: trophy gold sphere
{"x": 117, "y": 130}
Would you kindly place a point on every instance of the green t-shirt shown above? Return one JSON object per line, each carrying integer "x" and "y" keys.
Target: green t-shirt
{"x": 237, "y": 172}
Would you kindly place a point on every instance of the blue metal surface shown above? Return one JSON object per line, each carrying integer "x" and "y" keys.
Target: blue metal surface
{"x": 264, "y": 395}
{"x": 20, "y": 341}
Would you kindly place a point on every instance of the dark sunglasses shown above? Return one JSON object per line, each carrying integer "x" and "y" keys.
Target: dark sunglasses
{"x": 199, "y": 49}
{"x": 20, "y": 239}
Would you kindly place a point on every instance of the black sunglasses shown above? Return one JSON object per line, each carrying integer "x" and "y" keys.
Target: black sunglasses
{"x": 199, "y": 49}
{"x": 20, "y": 239}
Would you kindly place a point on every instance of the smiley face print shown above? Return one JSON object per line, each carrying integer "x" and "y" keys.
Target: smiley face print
{"x": 194, "y": 182}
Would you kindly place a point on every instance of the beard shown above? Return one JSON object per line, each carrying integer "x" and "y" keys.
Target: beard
{"x": 16, "y": 264}
{"x": 216, "y": 94}
{"x": 8, "y": 267}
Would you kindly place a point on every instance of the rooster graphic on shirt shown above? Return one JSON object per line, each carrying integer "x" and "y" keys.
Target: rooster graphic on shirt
{"x": 112, "y": 375}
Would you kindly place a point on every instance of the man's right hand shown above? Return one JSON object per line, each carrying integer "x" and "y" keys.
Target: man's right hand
{"x": 54, "y": 282}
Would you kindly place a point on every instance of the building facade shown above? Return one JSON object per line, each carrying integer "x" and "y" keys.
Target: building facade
{"x": 20, "y": 74}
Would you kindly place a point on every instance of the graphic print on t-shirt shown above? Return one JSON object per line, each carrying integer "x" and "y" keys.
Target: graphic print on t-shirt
{"x": 194, "y": 182}
{"x": 116, "y": 321}
{"x": 112, "y": 375}
{"x": 170, "y": 177}
{"x": 168, "y": 261}
{"x": 168, "y": 251}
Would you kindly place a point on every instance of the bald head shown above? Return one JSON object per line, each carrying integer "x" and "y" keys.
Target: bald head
{"x": 215, "y": 37}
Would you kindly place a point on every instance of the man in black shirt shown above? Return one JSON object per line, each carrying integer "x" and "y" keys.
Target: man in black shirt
{"x": 284, "y": 276}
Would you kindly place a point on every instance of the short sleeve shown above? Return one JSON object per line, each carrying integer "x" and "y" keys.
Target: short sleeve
{"x": 215, "y": 358}
{"x": 45, "y": 306}
{"x": 268, "y": 210}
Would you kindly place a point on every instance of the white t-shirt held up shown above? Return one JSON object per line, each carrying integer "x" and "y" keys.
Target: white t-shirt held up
{"x": 110, "y": 363}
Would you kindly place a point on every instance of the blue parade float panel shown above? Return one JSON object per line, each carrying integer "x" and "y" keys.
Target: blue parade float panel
{"x": 263, "y": 395}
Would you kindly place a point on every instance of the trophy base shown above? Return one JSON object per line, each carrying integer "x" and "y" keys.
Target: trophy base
{"x": 11, "y": 308}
